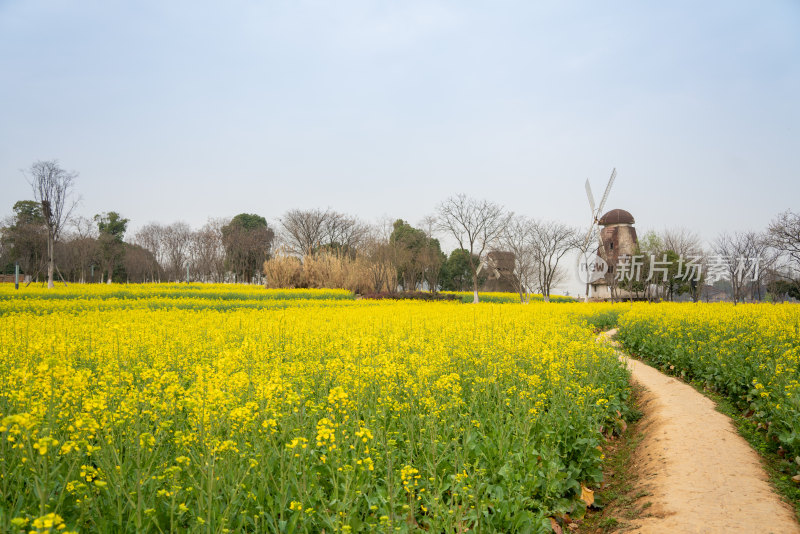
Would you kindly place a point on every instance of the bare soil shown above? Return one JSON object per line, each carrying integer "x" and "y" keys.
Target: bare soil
{"x": 699, "y": 474}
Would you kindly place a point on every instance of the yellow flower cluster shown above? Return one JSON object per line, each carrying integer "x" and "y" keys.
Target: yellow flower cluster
{"x": 410, "y": 477}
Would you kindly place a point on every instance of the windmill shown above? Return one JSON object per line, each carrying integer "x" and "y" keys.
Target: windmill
{"x": 593, "y": 233}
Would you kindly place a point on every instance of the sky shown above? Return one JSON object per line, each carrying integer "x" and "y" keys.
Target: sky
{"x": 185, "y": 110}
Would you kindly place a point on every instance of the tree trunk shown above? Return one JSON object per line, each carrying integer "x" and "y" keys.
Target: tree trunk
{"x": 546, "y": 282}
{"x": 50, "y": 261}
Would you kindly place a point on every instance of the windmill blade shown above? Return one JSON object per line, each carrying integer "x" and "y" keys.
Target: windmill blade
{"x": 590, "y": 196}
{"x": 593, "y": 235}
{"x": 608, "y": 190}
{"x": 589, "y": 235}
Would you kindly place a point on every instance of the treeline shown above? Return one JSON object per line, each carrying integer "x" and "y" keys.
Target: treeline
{"x": 323, "y": 248}
{"x": 740, "y": 267}
{"x": 310, "y": 248}
{"x": 98, "y": 249}
{"x": 307, "y": 248}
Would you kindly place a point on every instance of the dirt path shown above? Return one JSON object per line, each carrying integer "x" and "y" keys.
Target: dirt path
{"x": 700, "y": 475}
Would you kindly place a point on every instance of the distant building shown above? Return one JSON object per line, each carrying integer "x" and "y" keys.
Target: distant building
{"x": 499, "y": 272}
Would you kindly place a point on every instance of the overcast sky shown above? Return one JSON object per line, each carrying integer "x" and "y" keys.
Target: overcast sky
{"x": 184, "y": 110}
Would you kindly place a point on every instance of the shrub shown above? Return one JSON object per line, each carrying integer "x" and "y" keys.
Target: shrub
{"x": 283, "y": 272}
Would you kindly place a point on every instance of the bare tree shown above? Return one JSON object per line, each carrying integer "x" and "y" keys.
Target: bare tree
{"x": 784, "y": 236}
{"x": 766, "y": 260}
{"x": 380, "y": 261}
{"x": 150, "y": 237}
{"x": 587, "y": 244}
{"x": 52, "y": 186}
{"x": 550, "y": 242}
{"x": 303, "y": 230}
{"x": 517, "y": 238}
{"x": 682, "y": 242}
{"x": 343, "y": 231}
{"x": 175, "y": 240}
{"x": 139, "y": 263}
{"x": 83, "y": 246}
{"x": 740, "y": 258}
{"x": 382, "y": 255}
{"x": 688, "y": 247}
{"x": 475, "y": 224}
{"x": 5, "y": 247}
{"x": 207, "y": 251}
{"x": 432, "y": 258}
{"x": 429, "y": 224}
{"x": 84, "y": 227}
{"x": 307, "y": 231}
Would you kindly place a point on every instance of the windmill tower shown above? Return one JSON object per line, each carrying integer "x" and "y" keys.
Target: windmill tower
{"x": 617, "y": 240}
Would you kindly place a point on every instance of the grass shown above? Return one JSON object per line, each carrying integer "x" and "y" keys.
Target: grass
{"x": 617, "y": 500}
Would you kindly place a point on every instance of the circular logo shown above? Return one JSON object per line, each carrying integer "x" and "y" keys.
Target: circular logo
{"x": 591, "y": 267}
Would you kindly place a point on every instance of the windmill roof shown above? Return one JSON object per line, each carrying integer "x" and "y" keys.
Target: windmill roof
{"x": 616, "y": 217}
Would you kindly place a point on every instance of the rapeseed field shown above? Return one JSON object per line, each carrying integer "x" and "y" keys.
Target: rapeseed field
{"x": 208, "y": 409}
